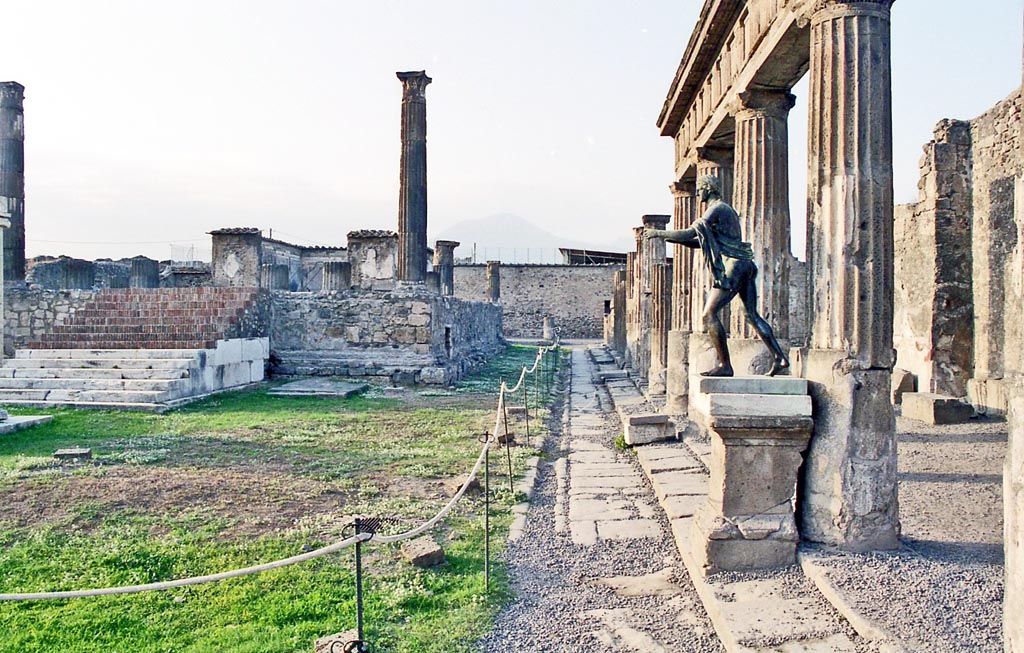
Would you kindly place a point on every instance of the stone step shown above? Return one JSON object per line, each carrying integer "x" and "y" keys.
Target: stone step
{"x": 14, "y": 396}
{"x": 752, "y": 385}
{"x": 100, "y": 405}
{"x": 89, "y": 383}
{"x": 101, "y": 354}
{"x": 177, "y": 372}
{"x": 935, "y": 409}
{"x": 753, "y": 405}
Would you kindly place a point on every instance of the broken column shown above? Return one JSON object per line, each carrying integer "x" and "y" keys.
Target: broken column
{"x": 337, "y": 276}
{"x": 849, "y": 497}
{"x": 548, "y": 329}
{"x": 412, "y": 193}
{"x": 661, "y": 314}
{"x": 444, "y": 264}
{"x": 652, "y": 252}
{"x": 144, "y": 273}
{"x": 677, "y": 369}
{"x": 12, "y": 177}
{"x": 761, "y": 198}
{"x": 494, "y": 281}
{"x": 237, "y": 254}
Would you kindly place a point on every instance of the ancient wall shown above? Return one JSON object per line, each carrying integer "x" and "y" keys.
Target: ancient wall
{"x": 414, "y": 336}
{"x": 374, "y": 257}
{"x": 574, "y": 295}
{"x": 305, "y": 264}
{"x": 30, "y": 313}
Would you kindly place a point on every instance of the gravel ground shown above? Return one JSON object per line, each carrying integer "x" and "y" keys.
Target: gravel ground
{"x": 943, "y": 592}
{"x": 560, "y": 606}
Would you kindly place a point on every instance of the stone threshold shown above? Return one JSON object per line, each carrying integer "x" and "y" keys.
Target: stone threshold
{"x": 756, "y": 612}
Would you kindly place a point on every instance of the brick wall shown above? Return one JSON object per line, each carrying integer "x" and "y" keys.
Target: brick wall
{"x": 574, "y": 295}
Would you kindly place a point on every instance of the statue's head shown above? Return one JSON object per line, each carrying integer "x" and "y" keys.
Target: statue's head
{"x": 708, "y": 188}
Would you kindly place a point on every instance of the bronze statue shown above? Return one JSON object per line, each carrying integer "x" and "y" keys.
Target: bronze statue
{"x": 733, "y": 272}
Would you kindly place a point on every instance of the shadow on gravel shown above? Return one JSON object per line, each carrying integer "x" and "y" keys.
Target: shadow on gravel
{"x": 970, "y": 552}
{"x": 940, "y": 477}
{"x": 953, "y": 438}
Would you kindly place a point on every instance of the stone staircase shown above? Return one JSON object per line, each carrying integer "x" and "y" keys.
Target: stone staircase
{"x": 140, "y": 349}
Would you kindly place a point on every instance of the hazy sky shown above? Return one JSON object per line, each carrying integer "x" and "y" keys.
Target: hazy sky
{"x": 150, "y": 123}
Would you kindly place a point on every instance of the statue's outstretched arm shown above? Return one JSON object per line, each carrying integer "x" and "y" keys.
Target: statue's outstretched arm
{"x": 687, "y": 237}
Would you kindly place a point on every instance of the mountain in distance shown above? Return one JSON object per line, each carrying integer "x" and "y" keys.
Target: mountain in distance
{"x": 514, "y": 239}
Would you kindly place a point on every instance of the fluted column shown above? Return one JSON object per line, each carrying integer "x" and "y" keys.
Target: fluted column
{"x": 761, "y": 197}
{"x": 677, "y": 349}
{"x": 661, "y": 318}
{"x": 144, "y": 273}
{"x": 12, "y": 177}
{"x": 337, "y": 275}
{"x": 850, "y": 493}
{"x": 444, "y": 264}
{"x": 713, "y": 162}
{"x": 494, "y": 281}
{"x": 629, "y": 352}
{"x": 412, "y": 190}
{"x": 652, "y": 252}
{"x": 619, "y": 313}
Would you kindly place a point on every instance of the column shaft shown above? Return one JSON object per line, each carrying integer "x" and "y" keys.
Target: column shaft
{"x": 761, "y": 196}
{"x": 12, "y": 177}
{"x": 661, "y": 318}
{"x": 412, "y": 194}
{"x": 652, "y": 252}
{"x": 714, "y": 162}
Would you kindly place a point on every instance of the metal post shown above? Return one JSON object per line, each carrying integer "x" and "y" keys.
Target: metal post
{"x": 359, "y": 584}
{"x": 508, "y": 446}
{"x": 487, "y": 517}
{"x": 526, "y": 406}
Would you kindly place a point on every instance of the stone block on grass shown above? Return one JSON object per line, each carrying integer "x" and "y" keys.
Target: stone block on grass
{"x": 423, "y": 552}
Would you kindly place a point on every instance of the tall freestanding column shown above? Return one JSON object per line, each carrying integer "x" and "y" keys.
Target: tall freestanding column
{"x": 677, "y": 373}
{"x": 661, "y": 317}
{"x": 444, "y": 264}
{"x": 652, "y": 252}
{"x": 12, "y": 177}
{"x": 850, "y": 482}
{"x": 629, "y": 353}
{"x": 412, "y": 193}
{"x": 761, "y": 197}
{"x": 619, "y": 313}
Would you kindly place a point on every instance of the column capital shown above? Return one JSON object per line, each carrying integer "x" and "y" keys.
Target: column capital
{"x": 655, "y": 221}
{"x": 638, "y": 234}
{"x": 722, "y": 156}
{"x": 449, "y": 244}
{"x": 683, "y": 187}
{"x": 414, "y": 84}
{"x": 765, "y": 102}
{"x": 827, "y": 9}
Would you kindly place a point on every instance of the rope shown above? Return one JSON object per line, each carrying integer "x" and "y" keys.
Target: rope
{"x": 326, "y": 550}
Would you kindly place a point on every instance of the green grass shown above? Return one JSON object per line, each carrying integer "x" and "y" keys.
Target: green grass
{"x": 370, "y": 456}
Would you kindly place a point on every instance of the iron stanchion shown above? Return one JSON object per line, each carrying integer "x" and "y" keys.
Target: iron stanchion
{"x": 508, "y": 446}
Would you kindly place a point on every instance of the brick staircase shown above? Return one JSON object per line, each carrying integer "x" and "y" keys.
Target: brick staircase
{"x": 139, "y": 349}
{"x": 151, "y": 318}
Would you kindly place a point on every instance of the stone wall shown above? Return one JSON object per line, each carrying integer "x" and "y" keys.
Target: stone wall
{"x": 407, "y": 336}
{"x": 574, "y": 295}
{"x": 28, "y": 314}
{"x": 305, "y": 264}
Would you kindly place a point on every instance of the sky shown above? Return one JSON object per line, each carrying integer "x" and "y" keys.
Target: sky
{"x": 149, "y": 124}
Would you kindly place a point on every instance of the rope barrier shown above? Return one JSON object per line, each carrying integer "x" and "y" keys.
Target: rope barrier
{"x": 326, "y": 550}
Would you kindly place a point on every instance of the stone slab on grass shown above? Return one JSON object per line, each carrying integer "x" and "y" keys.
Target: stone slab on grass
{"x": 423, "y": 552}
{"x": 935, "y": 409}
{"x": 73, "y": 453}
{"x": 319, "y": 388}
{"x": 15, "y": 423}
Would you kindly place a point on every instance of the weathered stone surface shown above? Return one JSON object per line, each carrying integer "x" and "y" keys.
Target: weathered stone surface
{"x": 237, "y": 257}
{"x": 935, "y": 409}
{"x": 12, "y": 178}
{"x": 73, "y": 453}
{"x": 412, "y": 194}
{"x": 327, "y": 644}
{"x": 1013, "y": 501}
{"x": 902, "y": 382}
{"x": 423, "y": 552}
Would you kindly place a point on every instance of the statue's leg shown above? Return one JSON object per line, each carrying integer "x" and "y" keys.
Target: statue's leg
{"x": 717, "y": 300}
{"x": 748, "y": 295}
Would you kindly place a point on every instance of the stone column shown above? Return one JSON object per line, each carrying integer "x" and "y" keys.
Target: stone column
{"x": 677, "y": 381}
{"x": 629, "y": 349}
{"x": 412, "y": 193}
{"x": 850, "y": 490}
{"x": 714, "y": 162}
{"x": 444, "y": 264}
{"x": 619, "y": 312}
{"x": 661, "y": 318}
{"x": 5, "y": 224}
{"x": 652, "y": 253}
{"x": 12, "y": 177}
{"x": 548, "y": 332}
{"x": 337, "y": 276}
{"x": 761, "y": 197}
{"x": 494, "y": 281}
{"x": 145, "y": 273}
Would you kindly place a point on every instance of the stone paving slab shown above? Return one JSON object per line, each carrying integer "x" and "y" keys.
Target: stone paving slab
{"x": 319, "y": 388}
{"x": 17, "y": 423}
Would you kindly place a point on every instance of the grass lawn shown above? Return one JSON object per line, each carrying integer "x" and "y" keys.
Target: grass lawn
{"x": 244, "y": 478}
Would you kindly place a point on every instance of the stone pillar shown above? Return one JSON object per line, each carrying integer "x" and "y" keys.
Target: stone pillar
{"x": 634, "y": 263}
{"x": 849, "y": 497}
{"x": 677, "y": 372}
{"x": 12, "y": 177}
{"x": 145, "y": 273}
{"x": 337, "y": 276}
{"x": 652, "y": 252}
{"x": 412, "y": 193}
{"x": 761, "y": 197}
{"x": 1013, "y": 523}
{"x": 237, "y": 254}
{"x": 548, "y": 331}
{"x": 619, "y": 312}
{"x": 444, "y": 264}
{"x": 494, "y": 282}
{"x": 5, "y": 224}
{"x": 714, "y": 162}
{"x": 629, "y": 348}
{"x": 661, "y": 318}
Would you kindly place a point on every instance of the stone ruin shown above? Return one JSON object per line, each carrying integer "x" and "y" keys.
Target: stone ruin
{"x": 373, "y": 307}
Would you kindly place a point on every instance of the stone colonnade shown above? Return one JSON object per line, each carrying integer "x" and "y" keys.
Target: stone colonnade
{"x": 727, "y": 112}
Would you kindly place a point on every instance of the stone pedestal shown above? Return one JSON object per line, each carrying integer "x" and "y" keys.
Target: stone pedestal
{"x": 759, "y": 429}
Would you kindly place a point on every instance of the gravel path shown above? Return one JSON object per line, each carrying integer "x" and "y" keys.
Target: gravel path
{"x": 943, "y": 592}
{"x": 611, "y": 595}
